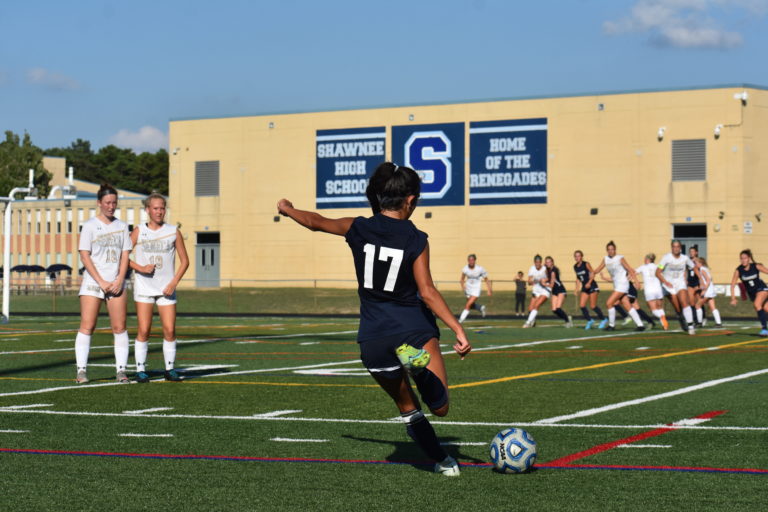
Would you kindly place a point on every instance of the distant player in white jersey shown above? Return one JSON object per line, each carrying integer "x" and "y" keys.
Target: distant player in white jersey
{"x": 654, "y": 295}
{"x": 537, "y": 278}
{"x": 672, "y": 273}
{"x": 156, "y": 246}
{"x": 708, "y": 293}
{"x": 621, "y": 272}
{"x": 104, "y": 247}
{"x": 472, "y": 276}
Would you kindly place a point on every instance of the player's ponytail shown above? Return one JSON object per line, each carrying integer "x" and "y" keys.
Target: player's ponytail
{"x": 610, "y": 244}
{"x": 390, "y": 186}
{"x": 105, "y": 190}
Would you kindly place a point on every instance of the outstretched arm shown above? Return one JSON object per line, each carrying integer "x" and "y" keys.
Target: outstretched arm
{"x": 436, "y": 303}
{"x": 314, "y": 221}
{"x": 734, "y": 280}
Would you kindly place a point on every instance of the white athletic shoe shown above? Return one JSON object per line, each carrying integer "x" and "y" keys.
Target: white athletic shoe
{"x": 122, "y": 377}
{"x": 482, "y": 310}
{"x": 704, "y": 322}
{"x": 82, "y": 377}
{"x": 691, "y": 330}
{"x": 569, "y": 323}
{"x": 527, "y": 325}
{"x": 449, "y": 467}
{"x": 627, "y": 320}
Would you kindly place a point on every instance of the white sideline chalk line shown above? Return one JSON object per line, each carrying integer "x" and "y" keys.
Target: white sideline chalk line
{"x": 14, "y": 431}
{"x": 644, "y": 446}
{"x": 454, "y": 443}
{"x": 131, "y": 434}
{"x": 275, "y": 414}
{"x": 153, "y": 409}
{"x": 393, "y": 421}
{"x": 291, "y": 440}
{"x": 637, "y": 401}
{"x": 29, "y": 406}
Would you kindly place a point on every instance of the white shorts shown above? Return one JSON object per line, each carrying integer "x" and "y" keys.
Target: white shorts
{"x": 709, "y": 293}
{"x": 91, "y": 289}
{"x": 539, "y": 290}
{"x": 472, "y": 291}
{"x": 621, "y": 286}
{"x": 160, "y": 300}
{"x": 678, "y": 285}
{"x": 653, "y": 293}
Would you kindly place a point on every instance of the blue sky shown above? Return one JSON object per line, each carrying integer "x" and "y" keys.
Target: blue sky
{"x": 117, "y": 72}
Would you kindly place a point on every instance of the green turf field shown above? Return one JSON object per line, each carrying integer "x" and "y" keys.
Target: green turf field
{"x": 278, "y": 414}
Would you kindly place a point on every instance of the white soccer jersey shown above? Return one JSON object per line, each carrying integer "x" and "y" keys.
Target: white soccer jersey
{"x": 474, "y": 278}
{"x": 709, "y": 293}
{"x": 651, "y": 283}
{"x": 618, "y": 273}
{"x": 106, "y": 243}
{"x": 538, "y": 275}
{"x": 674, "y": 271}
{"x": 158, "y": 248}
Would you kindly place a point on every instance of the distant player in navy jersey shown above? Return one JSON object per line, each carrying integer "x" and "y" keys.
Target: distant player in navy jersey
{"x": 587, "y": 290}
{"x": 749, "y": 273}
{"x": 398, "y": 335}
{"x": 557, "y": 290}
{"x": 694, "y": 285}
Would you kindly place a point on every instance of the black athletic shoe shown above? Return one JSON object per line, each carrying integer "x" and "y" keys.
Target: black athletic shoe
{"x": 640, "y": 328}
{"x": 610, "y": 328}
{"x": 173, "y": 376}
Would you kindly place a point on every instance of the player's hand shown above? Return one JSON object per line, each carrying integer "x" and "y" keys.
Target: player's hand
{"x": 734, "y": 301}
{"x": 170, "y": 289}
{"x": 490, "y": 294}
{"x": 282, "y": 205}
{"x": 462, "y": 346}
{"x": 148, "y": 268}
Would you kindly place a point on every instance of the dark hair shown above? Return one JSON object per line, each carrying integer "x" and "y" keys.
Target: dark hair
{"x": 748, "y": 252}
{"x": 473, "y": 255}
{"x": 105, "y": 190}
{"x": 676, "y": 241}
{"x": 611, "y": 243}
{"x": 578, "y": 251}
{"x": 537, "y": 257}
{"x": 390, "y": 185}
{"x": 520, "y": 272}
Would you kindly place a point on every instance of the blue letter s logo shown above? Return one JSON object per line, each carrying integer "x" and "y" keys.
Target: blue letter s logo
{"x": 429, "y": 154}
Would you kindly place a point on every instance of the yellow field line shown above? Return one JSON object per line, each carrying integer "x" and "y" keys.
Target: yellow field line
{"x": 33, "y": 378}
{"x": 287, "y": 384}
{"x": 601, "y": 365}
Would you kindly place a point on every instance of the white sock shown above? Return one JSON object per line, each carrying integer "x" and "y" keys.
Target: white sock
{"x": 464, "y": 315}
{"x": 635, "y": 317}
{"x": 688, "y": 315}
{"x": 122, "y": 350}
{"x": 716, "y": 314}
{"x": 612, "y": 317}
{"x": 532, "y": 315}
{"x": 140, "y": 349}
{"x": 169, "y": 353}
{"x": 82, "y": 347}
{"x": 699, "y": 315}
{"x": 658, "y": 313}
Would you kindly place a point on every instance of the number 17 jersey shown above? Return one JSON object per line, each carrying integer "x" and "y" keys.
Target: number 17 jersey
{"x": 384, "y": 250}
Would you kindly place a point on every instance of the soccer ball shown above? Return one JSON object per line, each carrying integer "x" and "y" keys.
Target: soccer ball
{"x": 513, "y": 450}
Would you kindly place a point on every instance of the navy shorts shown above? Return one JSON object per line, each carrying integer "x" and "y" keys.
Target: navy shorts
{"x": 379, "y": 356}
{"x": 558, "y": 289}
{"x": 592, "y": 289}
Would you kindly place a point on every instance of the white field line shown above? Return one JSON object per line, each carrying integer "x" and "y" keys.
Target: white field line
{"x": 14, "y": 431}
{"x": 644, "y": 446}
{"x": 131, "y": 434}
{"x": 393, "y": 421}
{"x": 153, "y": 409}
{"x": 651, "y": 398}
{"x": 275, "y": 414}
{"x": 453, "y": 443}
{"x": 289, "y": 368}
{"x": 30, "y": 406}
{"x": 300, "y": 335}
{"x": 290, "y": 440}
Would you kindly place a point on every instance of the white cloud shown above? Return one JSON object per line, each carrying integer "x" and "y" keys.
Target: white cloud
{"x": 51, "y": 80}
{"x": 146, "y": 138}
{"x": 684, "y": 23}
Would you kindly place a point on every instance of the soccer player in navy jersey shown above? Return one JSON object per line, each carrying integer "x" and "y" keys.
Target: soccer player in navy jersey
{"x": 749, "y": 274}
{"x": 398, "y": 334}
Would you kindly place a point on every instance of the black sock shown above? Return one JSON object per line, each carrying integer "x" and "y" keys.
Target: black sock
{"x": 683, "y": 323}
{"x": 585, "y": 312}
{"x": 421, "y": 431}
{"x": 621, "y": 311}
{"x": 559, "y": 312}
{"x": 763, "y": 318}
{"x": 599, "y": 313}
{"x": 477, "y": 306}
{"x": 431, "y": 389}
{"x": 645, "y": 316}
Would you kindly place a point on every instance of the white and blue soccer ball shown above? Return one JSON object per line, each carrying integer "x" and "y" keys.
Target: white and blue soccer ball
{"x": 513, "y": 450}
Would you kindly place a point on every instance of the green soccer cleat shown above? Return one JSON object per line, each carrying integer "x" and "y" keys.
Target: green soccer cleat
{"x": 173, "y": 376}
{"x": 412, "y": 358}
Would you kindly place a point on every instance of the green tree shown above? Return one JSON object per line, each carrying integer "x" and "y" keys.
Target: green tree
{"x": 17, "y": 156}
{"x": 80, "y": 156}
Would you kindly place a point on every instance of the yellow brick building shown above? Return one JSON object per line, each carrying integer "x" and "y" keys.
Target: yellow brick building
{"x": 609, "y": 167}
